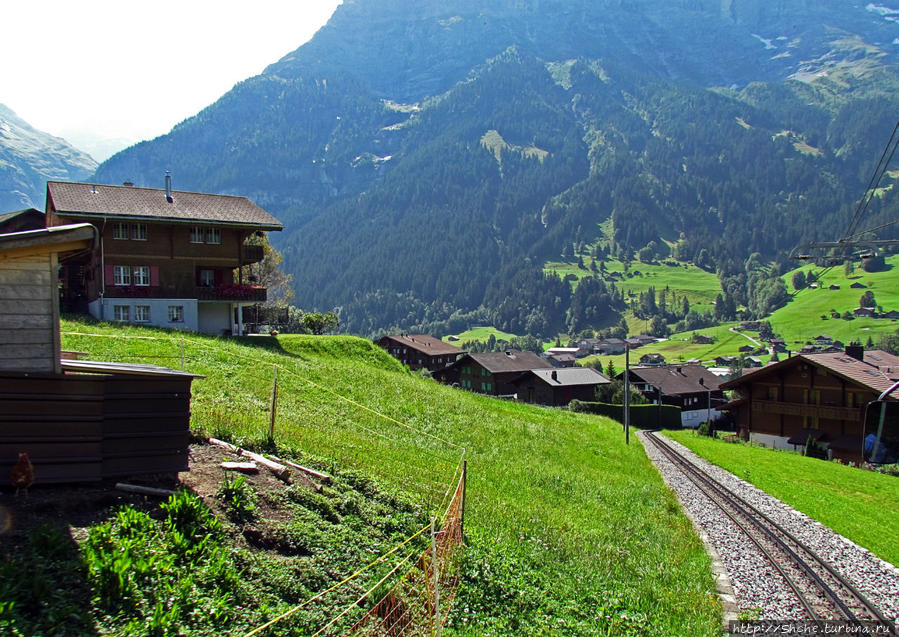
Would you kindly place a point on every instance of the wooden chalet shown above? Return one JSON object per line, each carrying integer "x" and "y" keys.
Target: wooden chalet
{"x": 819, "y": 396}
{"x": 420, "y": 351}
{"x": 21, "y": 221}
{"x": 693, "y": 388}
{"x": 77, "y": 420}
{"x": 558, "y": 387}
{"x": 491, "y": 372}
{"x": 164, "y": 257}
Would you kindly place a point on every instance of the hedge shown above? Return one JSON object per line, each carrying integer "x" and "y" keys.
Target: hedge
{"x": 647, "y": 416}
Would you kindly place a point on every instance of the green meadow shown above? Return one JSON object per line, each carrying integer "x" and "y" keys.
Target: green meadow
{"x": 482, "y": 334}
{"x": 568, "y": 530}
{"x": 858, "y": 504}
{"x": 801, "y": 319}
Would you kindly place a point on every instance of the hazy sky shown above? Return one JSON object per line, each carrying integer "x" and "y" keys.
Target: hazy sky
{"x": 132, "y": 70}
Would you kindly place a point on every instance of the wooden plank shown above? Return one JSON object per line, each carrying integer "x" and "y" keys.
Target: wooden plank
{"x": 26, "y": 276}
{"x": 44, "y": 364}
{"x": 26, "y": 336}
{"x": 31, "y": 308}
{"x": 27, "y": 350}
{"x": 13, "y": 321}
{"x": 142, "y": 490}
{"x": 25, "y": 292}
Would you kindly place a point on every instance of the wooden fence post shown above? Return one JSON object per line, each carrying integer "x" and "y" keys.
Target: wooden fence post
{"x": 274, "y": 403}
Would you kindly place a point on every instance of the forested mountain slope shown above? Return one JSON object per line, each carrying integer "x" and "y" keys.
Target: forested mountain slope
{"x": 428, "y": 157}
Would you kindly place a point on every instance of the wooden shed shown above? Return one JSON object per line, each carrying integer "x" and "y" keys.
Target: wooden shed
{"x": 78, "y": 420}
{"x": 29, "y": 301}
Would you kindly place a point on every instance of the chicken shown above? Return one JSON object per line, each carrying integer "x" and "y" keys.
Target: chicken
{"x": 22, "y": 474}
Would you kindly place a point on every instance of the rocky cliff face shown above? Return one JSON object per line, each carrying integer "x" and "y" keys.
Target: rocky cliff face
{"x": 29, "y": 158}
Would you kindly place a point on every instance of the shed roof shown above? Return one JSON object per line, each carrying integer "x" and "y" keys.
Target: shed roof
{"x": 128, "y": 202}
{"x": 566, "y": 376}
{"x": 139, "y": 369}
{"x": 66, "y": 238}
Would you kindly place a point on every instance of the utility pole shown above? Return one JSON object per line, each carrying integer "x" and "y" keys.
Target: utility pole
{"x": 627, "y": 393}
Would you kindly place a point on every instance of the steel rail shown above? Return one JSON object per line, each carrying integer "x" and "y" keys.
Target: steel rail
{"x": 752, "y": 513}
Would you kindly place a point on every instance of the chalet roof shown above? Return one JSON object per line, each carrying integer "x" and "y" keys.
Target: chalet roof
{"x": 566, "y": 376}
{"x": 678, "y": 379}
{"x": 425, "y": 343}
{"x": 127, "y": 202}
{"x": 877, "y": 372}
{"x": 509, "y": 361}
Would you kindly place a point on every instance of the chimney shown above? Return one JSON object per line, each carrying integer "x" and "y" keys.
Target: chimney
{"x": 130, "y": 184}
{"x": 856, "y": 351}
{"x": 168, "y": 188}
{"x": 555, "y": 375}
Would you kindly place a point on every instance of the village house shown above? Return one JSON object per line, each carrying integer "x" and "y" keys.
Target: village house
{"x": 420, "y": 351}
{"x": 812, "y": 396}
{"x": 558, "y": 387}
{"x": 654, "y": 359}
{"x": 491, "y": 372}
{"x": 164, "y": 257}
{"x": 693, "y": 388}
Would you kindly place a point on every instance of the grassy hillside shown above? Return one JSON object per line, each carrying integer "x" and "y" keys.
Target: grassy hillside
{"x": 568, "y": 530}
{"x": 482, "y": 334}
{"x": 699, "y": 286}
{"x": 800, "y": 320}
{"x": 824, "y": 491}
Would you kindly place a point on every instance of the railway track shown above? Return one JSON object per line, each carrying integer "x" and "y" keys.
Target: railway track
{"x": 824, "y": 594}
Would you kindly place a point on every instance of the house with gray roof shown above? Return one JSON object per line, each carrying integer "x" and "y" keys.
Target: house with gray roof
{"x": 558, "y": 387}
{"x": 693, "y": 388}
{"x": 165, "y": 257}
{"x": 491, "y": 372}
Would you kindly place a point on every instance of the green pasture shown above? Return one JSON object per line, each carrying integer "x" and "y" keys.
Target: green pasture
{"x": 482, "y": 334}
{"x": 569, "y": 530}
{"x": 858, "y": 504}
{"x": 699, "y": 286}
{"x": 680, "y": 348}
{"x": 801, "y": 319}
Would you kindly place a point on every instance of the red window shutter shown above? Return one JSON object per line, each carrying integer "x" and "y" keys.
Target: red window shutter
{"x": 109, "y": 275}
{"x": 154, "y": 276}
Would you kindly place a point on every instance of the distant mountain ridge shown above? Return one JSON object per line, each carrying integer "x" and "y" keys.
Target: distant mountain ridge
{"x": 29, "y": 158}
{"x": 425, "y": 153}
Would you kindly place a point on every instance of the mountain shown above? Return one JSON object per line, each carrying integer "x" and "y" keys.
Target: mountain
{"x": 428, "y": 157}
{"x": 29, "y": 158}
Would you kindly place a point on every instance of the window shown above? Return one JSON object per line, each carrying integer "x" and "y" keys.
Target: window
{"x": 141, "y": 275}
{"x": 207, "y": 278}
{"x": 205, "y": 234}
{"x": 142, "y": 313}
{"x": 489, "y": 387}
{"x": 213, "y": 235}
{"x": 139, "y": 232}
{"x": 122, "y": 312}
{"x": 122, "y": 275}
{"x": 120, "y": 231}
{"x": 176, "y": 314}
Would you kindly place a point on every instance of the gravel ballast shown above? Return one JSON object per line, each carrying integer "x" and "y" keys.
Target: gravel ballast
{"x": 759, "y": 591}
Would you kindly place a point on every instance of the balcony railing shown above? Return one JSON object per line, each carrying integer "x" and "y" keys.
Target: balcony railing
{"x": 227, "y": 292}
{"x": 829, "y": 412}
{"x": 252, "y": 254}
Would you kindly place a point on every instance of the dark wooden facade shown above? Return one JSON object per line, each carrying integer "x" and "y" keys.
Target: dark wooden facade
{"x": 822, "y": 396}
{"x": 420, "y": 351}
{"x": 558, "y": 387}
{"x": 90, "y": 427}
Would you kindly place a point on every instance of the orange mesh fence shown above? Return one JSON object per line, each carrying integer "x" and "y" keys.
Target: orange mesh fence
{"x": 420, "y": 602}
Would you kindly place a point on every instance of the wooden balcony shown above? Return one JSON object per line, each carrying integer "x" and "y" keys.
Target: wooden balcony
{"x": 227, "y": 292}
{"x": 829, "y": 412}
{"x": 251, "y": 254}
